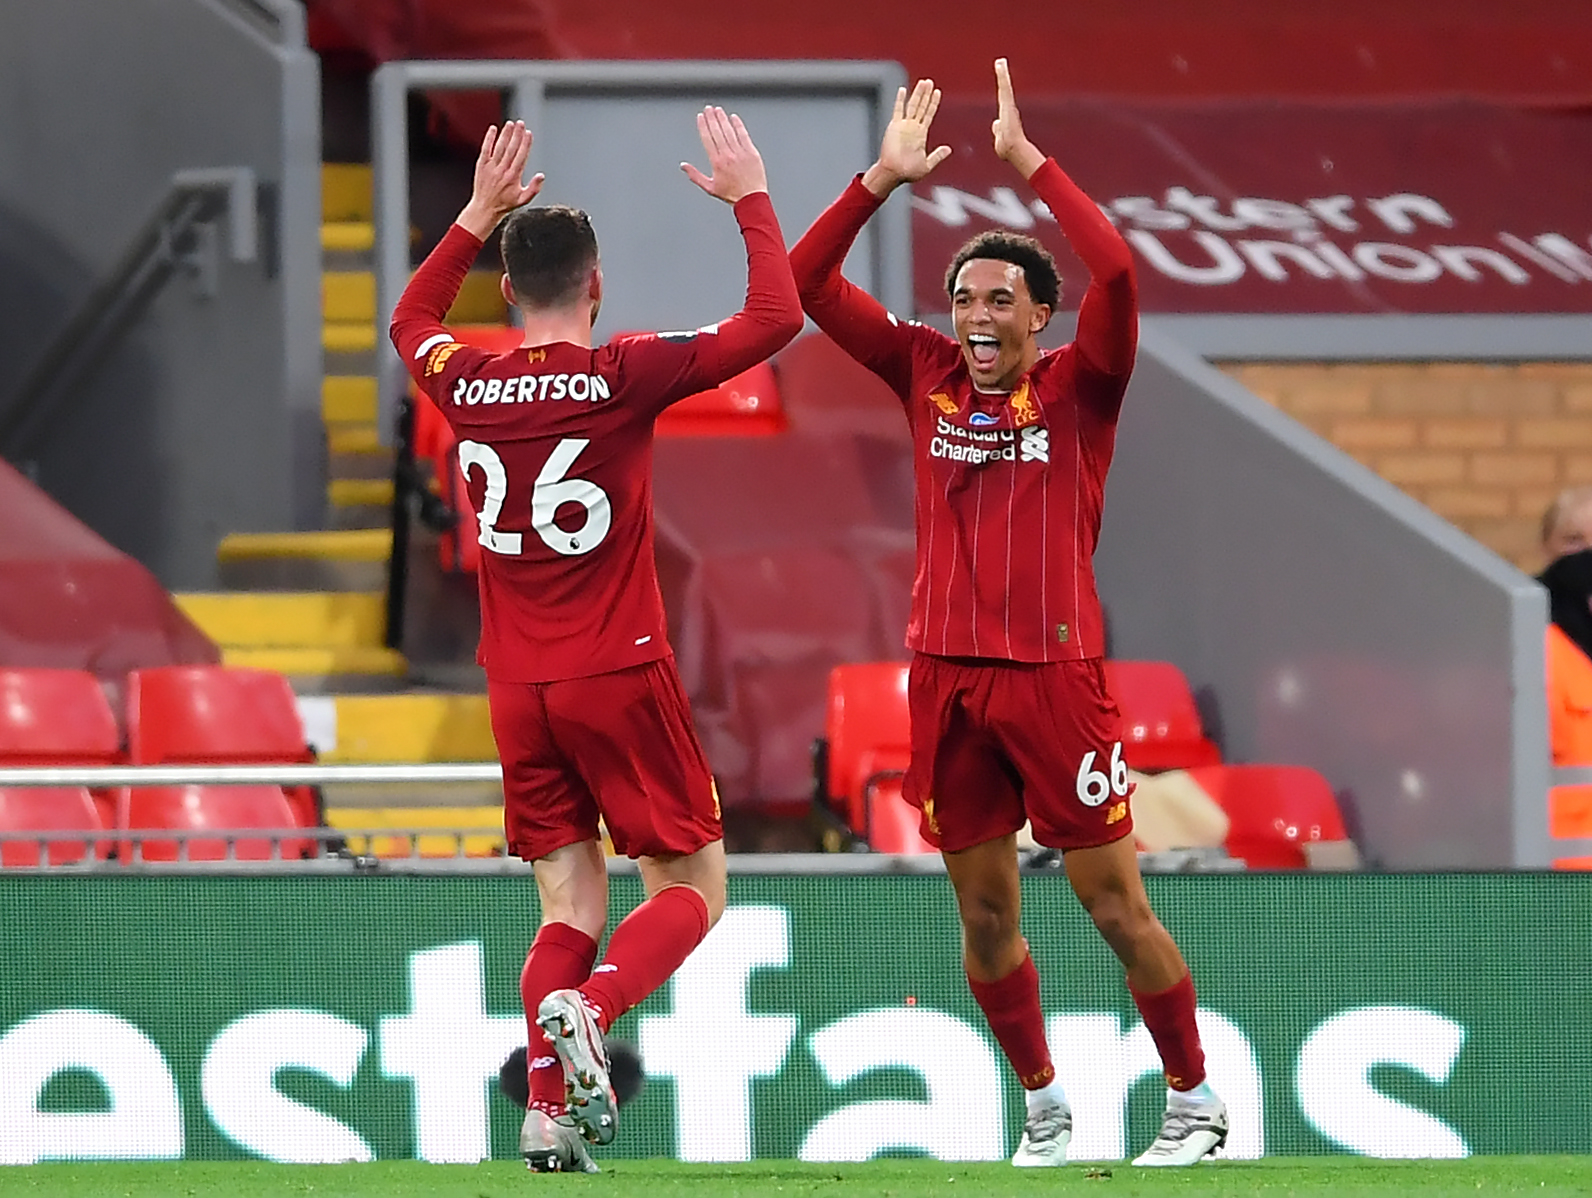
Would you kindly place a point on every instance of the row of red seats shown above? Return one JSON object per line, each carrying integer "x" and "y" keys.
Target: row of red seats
{"x": 1273, "y": 810}
{"x": 746, "y": 405}
{"x": 175, "y": 715}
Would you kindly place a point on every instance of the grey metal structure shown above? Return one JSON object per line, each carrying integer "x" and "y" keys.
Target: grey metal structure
{"x": 1329, "y": 619}
{"x": 610, "y": 136}
{"x": 203, "y": 418}
{"x": 1256, "y": 337}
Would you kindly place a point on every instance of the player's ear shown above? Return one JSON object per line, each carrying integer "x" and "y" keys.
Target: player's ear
{"x": 507, "y": 289}
{"x": 594, "y": 290}
{"x": 1039, "y": 318}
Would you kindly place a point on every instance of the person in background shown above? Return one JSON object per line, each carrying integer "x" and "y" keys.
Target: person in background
{"x": 1567, "y": 541}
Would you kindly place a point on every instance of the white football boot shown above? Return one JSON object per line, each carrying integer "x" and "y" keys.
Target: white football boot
{"x": 1046, "y": 1134}
{"x": 572, "y": 1029}
{"x": 1192, "y": 1129}
{"x": 552, "y": 1145}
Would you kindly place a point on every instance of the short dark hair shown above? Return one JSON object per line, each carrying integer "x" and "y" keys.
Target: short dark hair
{"x": 548, "y": 252}
{"x": 1039, "y": 268}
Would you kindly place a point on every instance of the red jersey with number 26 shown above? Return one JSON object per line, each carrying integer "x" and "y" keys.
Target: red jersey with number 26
{"x": 1009, "y": 485}
{"x": 555, "y": 444}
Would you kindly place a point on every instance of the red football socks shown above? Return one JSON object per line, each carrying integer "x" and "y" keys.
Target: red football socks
{"x": 1012, "y": 1007}
{"x": 1170, "y": 1017}
{"x": 647, "y": 946}
{"x": 561, "y": 956}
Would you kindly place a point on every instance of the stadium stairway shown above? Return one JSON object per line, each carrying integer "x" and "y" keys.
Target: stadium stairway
{"x": 311, "y": 605}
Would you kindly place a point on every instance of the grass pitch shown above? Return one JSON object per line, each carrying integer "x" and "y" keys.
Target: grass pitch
{"x": 1546, "y": 1177}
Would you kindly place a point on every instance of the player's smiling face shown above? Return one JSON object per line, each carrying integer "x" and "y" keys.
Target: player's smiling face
{"x": 996, "y": 320}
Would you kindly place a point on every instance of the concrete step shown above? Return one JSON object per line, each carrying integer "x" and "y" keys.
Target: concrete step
{"x": 346, "y": 192}
{"x": 348, "y": 399}
{"x": 304, "y": 663}
{"x": 287, "y": 619}
{"x": 415, "y": 726}
{"x": 345, "y": 545}
{"x": 359, "y": 492}
{"x": 347, "y": 236}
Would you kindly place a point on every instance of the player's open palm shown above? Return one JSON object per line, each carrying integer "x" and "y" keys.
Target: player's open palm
{"x": 904, "y": 151}
{"x": 735, "y": 165}
{"x": 500, "y": 167}
{"x": 1011, "y": 143}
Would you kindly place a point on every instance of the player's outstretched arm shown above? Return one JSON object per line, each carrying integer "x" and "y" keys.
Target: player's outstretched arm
{"x": 772, "y": 313}
{"x": 1108, "y": 317}
{"x": 856, "y": 321}
{"x": 497, "y": 191}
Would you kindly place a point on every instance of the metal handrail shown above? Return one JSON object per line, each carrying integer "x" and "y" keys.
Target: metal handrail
{"x": 172, "y": 239}
{"x": 248, "y": 775}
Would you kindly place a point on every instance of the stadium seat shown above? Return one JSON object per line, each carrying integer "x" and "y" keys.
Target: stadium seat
{"x": 60, "y": 717}
{"x": 867, "y": 734}
{"x": 200, "y": 808}
{"x": 744, "y": 406}
{"x": 1274, "y": 811}
{"x": 894, "y": 825}
{"x": 1161, "y": 725}
{"x": 47, "y": 809}
{"x": 194, "y": 714}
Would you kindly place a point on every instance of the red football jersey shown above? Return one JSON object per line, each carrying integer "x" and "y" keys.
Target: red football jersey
{"x": 555, "y": 444}
{"x": 1009, "y": 486}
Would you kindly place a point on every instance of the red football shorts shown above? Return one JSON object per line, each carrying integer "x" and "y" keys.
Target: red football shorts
{"x": 995, "y": 743}
{"x": 620, "y": 746}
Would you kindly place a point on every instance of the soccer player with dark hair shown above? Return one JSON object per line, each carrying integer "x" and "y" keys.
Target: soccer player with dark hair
{"x": 1011, "y": 720}
{"x": 590, "y": 719}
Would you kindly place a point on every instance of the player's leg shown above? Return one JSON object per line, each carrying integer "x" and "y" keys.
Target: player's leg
{"x": 971, "y": 811}
{"x": 550, "y": 819}
{"x": 1107, "y": 881}
{"x": 631, "y": 737}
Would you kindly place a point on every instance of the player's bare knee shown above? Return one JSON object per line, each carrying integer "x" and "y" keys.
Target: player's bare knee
{"x": 990, "y": 927}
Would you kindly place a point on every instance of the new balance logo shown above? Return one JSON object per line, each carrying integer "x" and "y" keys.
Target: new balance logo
{"x": 606, "y": 969}
{"x": 543, "y": 1062}
{"x": 1035, "y": 445}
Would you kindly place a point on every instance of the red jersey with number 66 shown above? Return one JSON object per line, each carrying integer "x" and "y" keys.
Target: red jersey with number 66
{"x": 555, "y": 444}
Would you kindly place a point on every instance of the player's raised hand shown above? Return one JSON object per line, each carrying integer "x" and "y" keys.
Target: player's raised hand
{"x": 904, "y": 154}
{"x": 498, "y": 171}
{"x": 736, "y": 166}
{"x": 1011, "y": 143}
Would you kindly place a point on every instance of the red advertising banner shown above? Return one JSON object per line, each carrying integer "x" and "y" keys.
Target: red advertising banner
{"x": 1290, "y": 208}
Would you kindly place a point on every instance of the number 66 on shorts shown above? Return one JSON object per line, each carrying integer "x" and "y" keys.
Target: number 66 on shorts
{"x": 1096, "y": 786}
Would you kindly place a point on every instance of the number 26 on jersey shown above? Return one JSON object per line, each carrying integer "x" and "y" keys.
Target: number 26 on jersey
{"x": 550, "y": 491}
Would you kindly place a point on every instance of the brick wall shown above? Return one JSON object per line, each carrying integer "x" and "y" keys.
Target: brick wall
{"x": 1485, "y": 447}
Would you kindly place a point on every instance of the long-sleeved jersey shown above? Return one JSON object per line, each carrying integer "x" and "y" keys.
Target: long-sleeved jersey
{"x": 555, "y": 444}
{"x": 1009, "y": 486}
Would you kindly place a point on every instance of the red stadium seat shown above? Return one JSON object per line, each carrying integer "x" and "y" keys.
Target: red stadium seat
{"x": 60, "y": 717}
{"x": 195, "y": 714}
{"x": 744, "y": 406}
{"x": 1274, "y": 811}
{"x": 52, "y": 810}
{"x": 894, "y": 825}
{"x": 867, "y": 731}
{"x": 200, "y": 808}
{"x": 1161, "y": 725}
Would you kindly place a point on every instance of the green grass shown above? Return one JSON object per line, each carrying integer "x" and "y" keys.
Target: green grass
{"x": 1545, "y": 1176}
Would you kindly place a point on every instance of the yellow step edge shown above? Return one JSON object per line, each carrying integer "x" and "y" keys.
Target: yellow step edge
{"x": 347, "y": 236}
{"x": 490, "y": 841}
{"x": 346, "y": 191}
{"x": 350, "y": 295}
{"x": 344, "y": 338}
{"x": 412, "y": 728}
{"x": 288, "y": 619}
{"x": 359, "y": 492}
{"x": 370, "y": 662}
{"x": 354, "y": 438}
{"x": 343, "y": 545}
{"x": 348, "y": 399}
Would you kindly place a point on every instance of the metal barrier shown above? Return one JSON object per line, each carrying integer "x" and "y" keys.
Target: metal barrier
{"x": 532, "y": 87}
